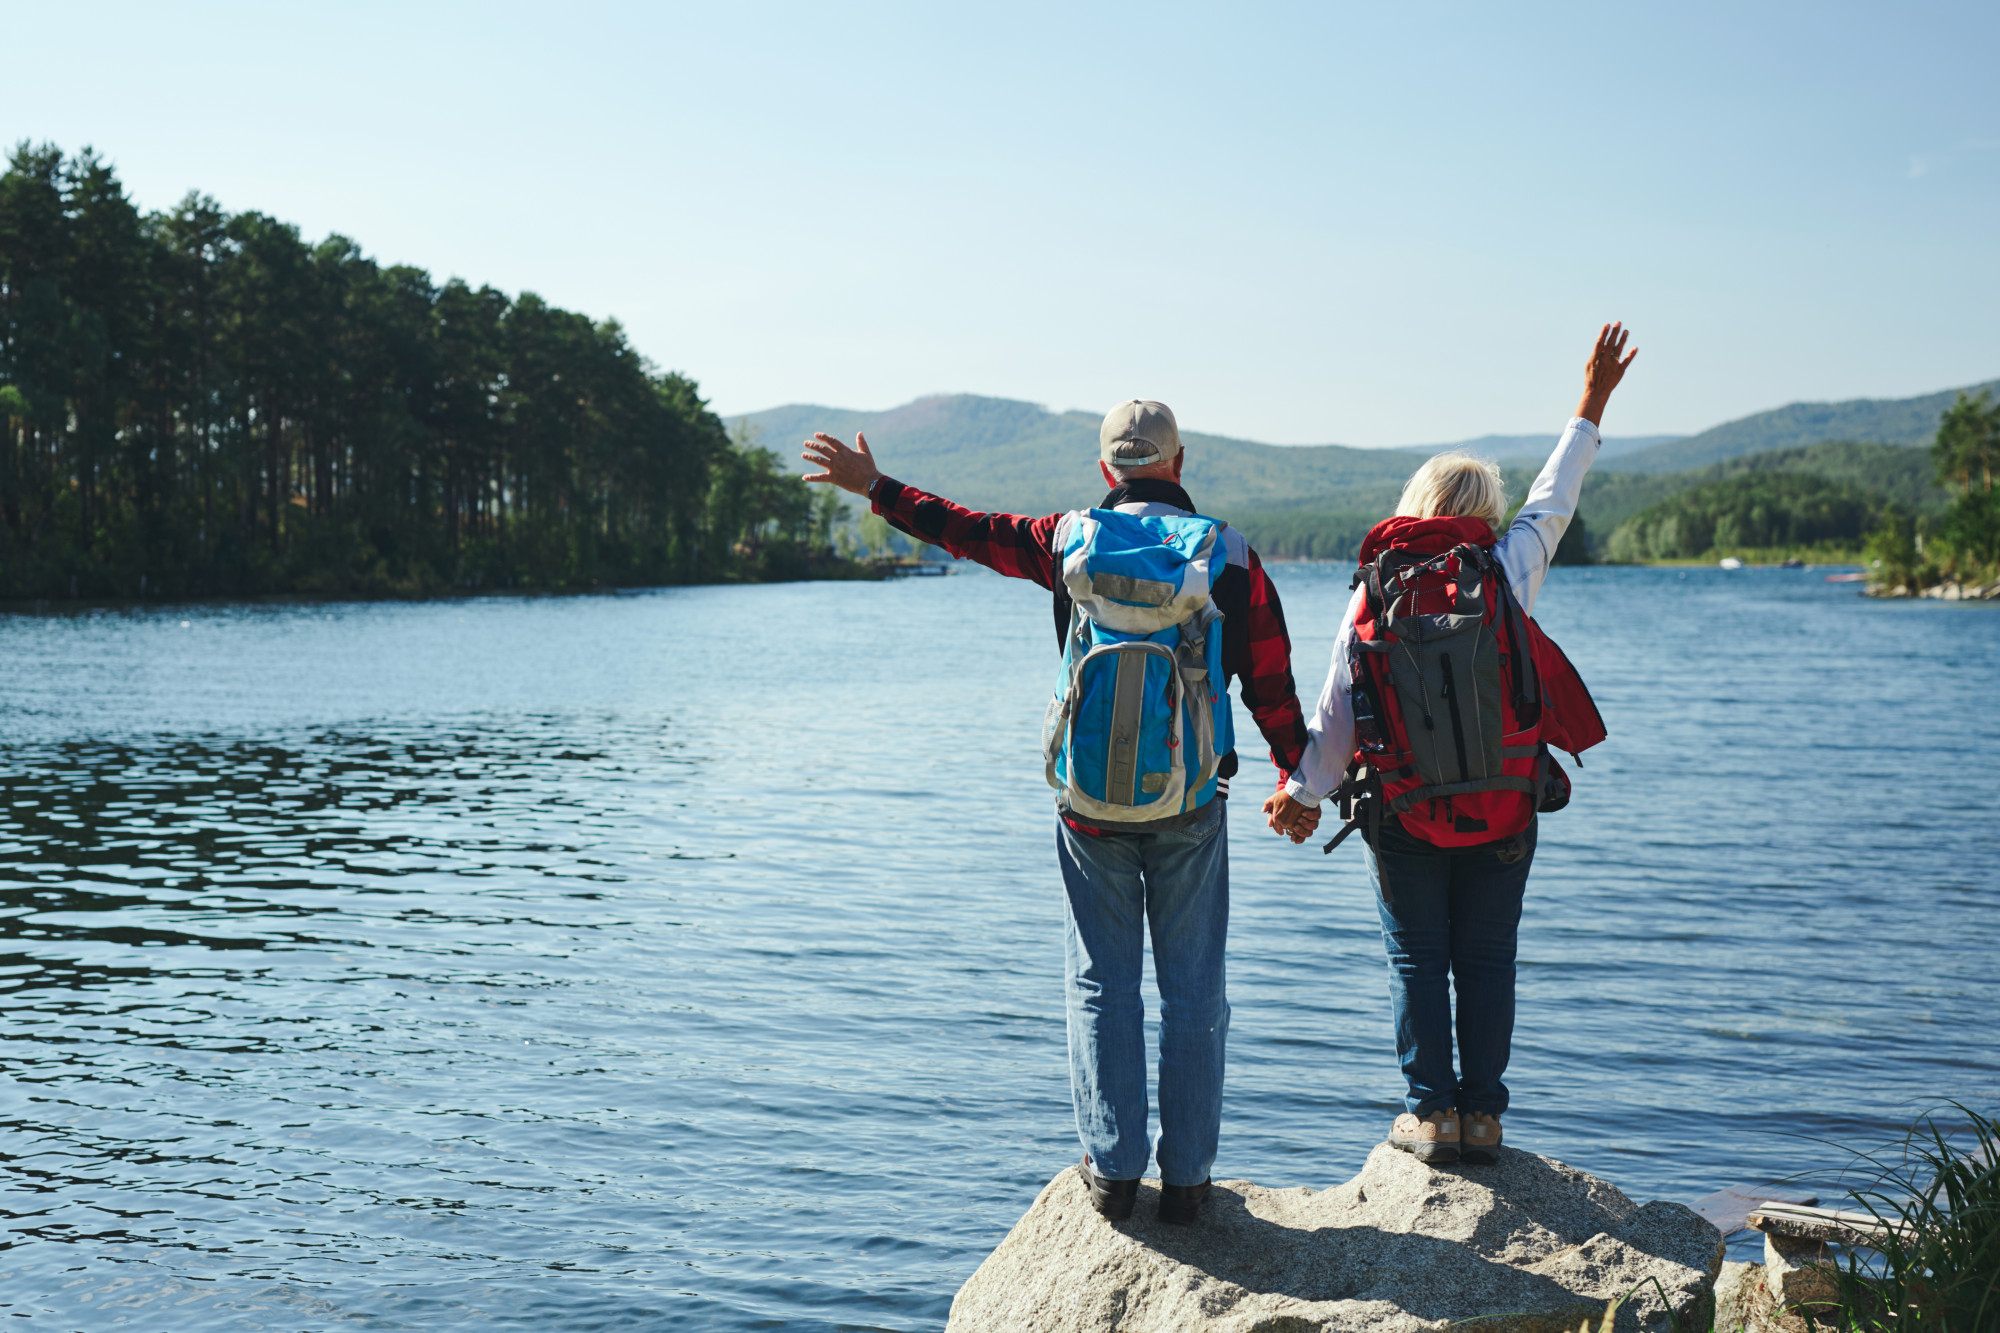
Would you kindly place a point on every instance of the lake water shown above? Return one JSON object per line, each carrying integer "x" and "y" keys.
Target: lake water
{"x": 690, "y": 959}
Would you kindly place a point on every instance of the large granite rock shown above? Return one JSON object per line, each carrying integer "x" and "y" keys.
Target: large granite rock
{"x": 1532, "y": 1245}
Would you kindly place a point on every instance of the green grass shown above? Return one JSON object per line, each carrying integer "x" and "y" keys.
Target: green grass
{"x": 1939, "y": 1269}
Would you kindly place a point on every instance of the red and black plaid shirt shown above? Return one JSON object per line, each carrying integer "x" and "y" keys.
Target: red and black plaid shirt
{"x": 1256, "y": 650}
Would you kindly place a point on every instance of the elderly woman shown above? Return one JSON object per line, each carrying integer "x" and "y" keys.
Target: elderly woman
{"x": 1438, "y": 711}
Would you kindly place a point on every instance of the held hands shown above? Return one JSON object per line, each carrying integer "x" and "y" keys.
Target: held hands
{"x": 1603, "y": 371}
{"x": 1291, "y": 818}
{"x": 850, "y": 469}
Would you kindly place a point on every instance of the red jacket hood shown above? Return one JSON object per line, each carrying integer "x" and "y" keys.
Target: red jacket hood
{"x": 1425, "y": 536}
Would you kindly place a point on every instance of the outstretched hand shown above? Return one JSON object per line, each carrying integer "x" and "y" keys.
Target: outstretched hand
{"x": 1603, "y": 371}
{"x": 1293, "y": 819}
{"x": 850, "y": 469}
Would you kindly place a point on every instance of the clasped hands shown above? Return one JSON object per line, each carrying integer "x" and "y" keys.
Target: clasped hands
{"x": 1293, "y": 819}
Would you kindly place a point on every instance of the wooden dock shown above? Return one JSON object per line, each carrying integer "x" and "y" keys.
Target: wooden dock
{"x": 1826, "y": 1225}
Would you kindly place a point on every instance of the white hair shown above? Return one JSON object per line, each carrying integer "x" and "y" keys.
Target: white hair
{"x": 1456, "y": 485}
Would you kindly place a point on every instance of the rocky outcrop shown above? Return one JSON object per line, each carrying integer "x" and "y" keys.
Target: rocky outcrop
{"x": 1950, "y": 590}
{"x": 1526, "y": 1246}
{"x": 1795, "y": 1290}
{"x": 1740, "y": 1303}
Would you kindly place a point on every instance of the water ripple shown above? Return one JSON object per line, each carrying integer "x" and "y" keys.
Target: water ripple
{"x": 690, "y": 959}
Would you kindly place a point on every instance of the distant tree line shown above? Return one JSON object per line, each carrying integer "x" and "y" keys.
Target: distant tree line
{"x": 195, "y": 402}
{"x": 1886, "y": 473}
{"x": 1758, "y": 511}
{"x": 1305, "y": 534}
{"x": 1924, "y": 517}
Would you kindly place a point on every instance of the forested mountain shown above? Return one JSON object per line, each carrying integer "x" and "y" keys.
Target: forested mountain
{"x": 196, "y": 402}
{"x": 1765, "y": 511}
{"x": 1316, "y": 502}
{"x": 1529, "y": 450}
{"x": 996, "y": 453}
{"x": 999, "y": 453}
{"x": 1907, "y": 421}
{"x": 1891, "y": 473}
{"x": 1826, "y": 497}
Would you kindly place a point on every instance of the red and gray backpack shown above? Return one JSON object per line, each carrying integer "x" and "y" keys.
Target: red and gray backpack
{"x": 1457, "y": 693}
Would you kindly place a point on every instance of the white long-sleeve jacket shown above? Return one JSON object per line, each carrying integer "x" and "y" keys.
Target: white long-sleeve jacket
{"x": 1524, "y": 552}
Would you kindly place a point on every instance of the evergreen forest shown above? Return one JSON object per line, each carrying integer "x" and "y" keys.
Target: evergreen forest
{"x": 1924, "y": 516}
{"x": 195, "y": 402}
{"x": 1962, "y": 545}
{"x": 1767, "y": 511}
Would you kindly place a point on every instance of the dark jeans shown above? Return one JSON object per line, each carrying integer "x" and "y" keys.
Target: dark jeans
{"x": 1452, "y": 923}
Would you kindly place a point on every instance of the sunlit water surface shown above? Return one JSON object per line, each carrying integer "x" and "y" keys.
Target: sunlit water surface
{"x": 690, "y": 959}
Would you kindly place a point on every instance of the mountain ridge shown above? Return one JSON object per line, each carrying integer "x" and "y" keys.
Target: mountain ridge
{"x": 1001, "y": 453}
{"x": 1008, "y": 455}
{"x": 1905, "y": 421}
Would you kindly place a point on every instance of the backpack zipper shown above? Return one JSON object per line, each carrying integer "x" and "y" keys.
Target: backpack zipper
{"x": 1457, "y": 723}
{"x": 1423, "y": 685}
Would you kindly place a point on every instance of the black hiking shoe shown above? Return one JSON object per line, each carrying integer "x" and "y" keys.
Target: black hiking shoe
{"x": 1180, "y": 1203}
{"x": 1479, "y": 1139}
{"x": 1111, "y": 1198}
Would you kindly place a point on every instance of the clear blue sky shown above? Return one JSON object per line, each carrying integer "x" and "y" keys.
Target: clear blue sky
{"x": 1301, "y": 223}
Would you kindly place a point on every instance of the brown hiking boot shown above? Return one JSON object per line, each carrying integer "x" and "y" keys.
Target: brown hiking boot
{"x": 1434, "y": 1138}
{"x": 1479, "y": 1139}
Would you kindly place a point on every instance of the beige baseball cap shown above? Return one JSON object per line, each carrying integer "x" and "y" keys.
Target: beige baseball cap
{"x": 1137, "y": 433}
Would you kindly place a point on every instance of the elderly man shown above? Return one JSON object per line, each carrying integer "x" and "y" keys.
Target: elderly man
{"x": 1122, "y": 873}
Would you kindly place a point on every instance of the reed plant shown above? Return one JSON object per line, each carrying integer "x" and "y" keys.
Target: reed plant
{"x": 1936, "y": 1269}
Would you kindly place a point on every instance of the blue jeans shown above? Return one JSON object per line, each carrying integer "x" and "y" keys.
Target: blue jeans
{"x": 1452, "y": 922}
{"x": 1114, "y": 887}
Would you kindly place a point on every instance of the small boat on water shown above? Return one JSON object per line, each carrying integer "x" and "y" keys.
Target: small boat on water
{"x": 1731, "y": 562}
{"x": 1791, "y": 562}
{"x": 1846, "y": 578}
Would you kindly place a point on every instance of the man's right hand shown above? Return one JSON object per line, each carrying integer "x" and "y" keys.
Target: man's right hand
{"x": 850, "y": 469}
{"x": 1290, "y": 818}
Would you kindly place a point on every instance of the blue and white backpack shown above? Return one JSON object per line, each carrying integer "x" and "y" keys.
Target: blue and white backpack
{"x": 1140, "y": 717}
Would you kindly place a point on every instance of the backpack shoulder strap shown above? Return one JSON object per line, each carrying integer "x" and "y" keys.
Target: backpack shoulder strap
{"x": 1527, "y": 679}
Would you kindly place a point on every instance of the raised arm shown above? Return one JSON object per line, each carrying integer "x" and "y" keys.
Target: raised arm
{"x": 1009, "y": 544}
{"x": 1529, "y": 546}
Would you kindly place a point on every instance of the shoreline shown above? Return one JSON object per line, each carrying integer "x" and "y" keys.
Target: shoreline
{"x": 1949, "y": 590}
{"x": 38, "y": 606}
{"x": 1705, "y": 562}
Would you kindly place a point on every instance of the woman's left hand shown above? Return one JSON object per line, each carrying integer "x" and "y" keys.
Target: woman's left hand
{"x": 1294, "y": 819}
